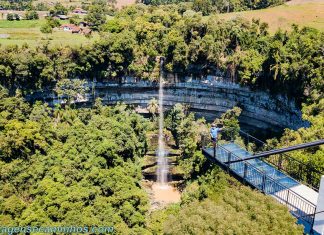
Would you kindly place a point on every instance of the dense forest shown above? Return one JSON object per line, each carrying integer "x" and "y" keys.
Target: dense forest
{"x": 217, "y": 6}
{"x": 205, "y": 6}
{"x": 16, "y": 5}
{"x": 243, "y": 52}
{"x": 67, "y": 166}
{"x": 64, "y": 166}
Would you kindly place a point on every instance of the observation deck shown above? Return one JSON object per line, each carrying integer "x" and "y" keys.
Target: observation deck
{"x": 268, "y": 177}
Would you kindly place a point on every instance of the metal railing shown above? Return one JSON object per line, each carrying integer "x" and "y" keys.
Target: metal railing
{"x": 298, "y": 205}
{"x": 304, "y": 173}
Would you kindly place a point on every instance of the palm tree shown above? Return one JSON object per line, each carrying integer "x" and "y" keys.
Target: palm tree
{"x": 153, "y": 107}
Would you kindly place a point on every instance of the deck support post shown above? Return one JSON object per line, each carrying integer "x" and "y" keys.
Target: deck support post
{"x": 287, "y": 199}
{"x": 280, "y": 162}
{"x": 245, "y": 172}
{"x": 229, "y": 156}
{"x": 263, "y": 182}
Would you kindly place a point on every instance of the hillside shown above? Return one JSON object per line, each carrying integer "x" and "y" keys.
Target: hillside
{"x": 28, "y": 31}
{"x": 78, "y": 3}
{"x": 301, "y": 12}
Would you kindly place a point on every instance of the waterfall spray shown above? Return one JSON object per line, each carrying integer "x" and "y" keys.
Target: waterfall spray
{"x": 162, "y": 167}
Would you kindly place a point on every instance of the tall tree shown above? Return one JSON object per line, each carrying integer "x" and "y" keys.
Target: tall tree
{"x": 96, "y": 16}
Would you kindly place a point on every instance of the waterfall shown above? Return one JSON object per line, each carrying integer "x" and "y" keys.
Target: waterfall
{"x": 162, "y": 167}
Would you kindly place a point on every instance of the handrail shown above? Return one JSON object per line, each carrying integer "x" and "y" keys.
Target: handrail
{"x": 282, "y": 150}
{"x": 263, "y": 174}
{"x": 320, "y": 212}
{"x": 286, "y": 155}
{"x": 284, "y": 195}
{"x": 253, "y": 137}
{"x": 299, "y": 172}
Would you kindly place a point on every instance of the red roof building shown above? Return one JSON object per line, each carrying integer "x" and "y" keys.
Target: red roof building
{"x": 70, "y": 28}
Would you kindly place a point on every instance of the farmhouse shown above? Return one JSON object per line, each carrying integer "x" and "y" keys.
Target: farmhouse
{"x": 70, "y": 28}
{"x": 76, "y": 29}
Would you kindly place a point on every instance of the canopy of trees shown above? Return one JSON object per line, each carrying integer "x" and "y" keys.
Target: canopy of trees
{"x": 192, "y": 44}
{"x": 213, "y": 202}
{"x": 215, "y": 6}
{"x": 67, "y": 166}
{"x": 62, "y": 166}
{"x": 18, "y": 5}
{"x": 31, "y": 15}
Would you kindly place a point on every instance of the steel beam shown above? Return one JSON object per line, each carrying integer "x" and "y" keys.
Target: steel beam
{"x": 282, "y": 150}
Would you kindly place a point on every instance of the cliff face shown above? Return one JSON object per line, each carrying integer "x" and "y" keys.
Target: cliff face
{"x": 260, "y": 110}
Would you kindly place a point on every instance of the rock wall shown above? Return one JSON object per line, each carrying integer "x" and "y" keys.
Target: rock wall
{"x": 260, "y": 110}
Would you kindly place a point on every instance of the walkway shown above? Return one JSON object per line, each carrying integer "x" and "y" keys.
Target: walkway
{"x": 300, "y": 199}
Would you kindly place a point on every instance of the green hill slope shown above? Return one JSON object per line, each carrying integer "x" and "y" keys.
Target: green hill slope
{"x": 300, "y": 12}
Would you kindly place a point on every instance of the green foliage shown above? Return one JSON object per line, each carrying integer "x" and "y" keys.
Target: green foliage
{"x": 113, "y": 26}
{"x": 230, "y": 123}
{"x": 11, "y": 108}
{"x": 193, "y": 165}
{"x": 49, "y": 25}
{"x": 250, "y": 65}
{"x": 312, "y": 158}
{"x": 67, "y": 166}
{"x": 41, "y": 6}
{"x": 31, "y": 15}
{"x": 72, "y": 89}
{"x": 75, "y": 19}
{"x": 203, "y": 6}
{"x": 53, "y": 23}
{"x": 21, "y": 139}
{"x": 174, "y": 119}
{"x": 217, "y": 204}
{"x": 58, "y": 9}
{"x": 10, "y": 17}
{"x": 18, "y": 5}
{"x": 132, "y": 41}
{"x": 96, "y": 15}
{"x": 213, "y": 6}
{"x": 153, "y": 108}
{"x": 46, "y": 28}
{"x": 157, "y": 218}
{"x": 187, "y": 133}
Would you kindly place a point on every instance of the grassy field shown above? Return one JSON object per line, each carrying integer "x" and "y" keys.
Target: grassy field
{"x": 78, "y": 3}
{"x": 20, "y": 24}
{"x": 66, "y": 3}
{"x": 300, "y": 12}
{"x": 28, "y": 31}
{"x": 303, "y": 13}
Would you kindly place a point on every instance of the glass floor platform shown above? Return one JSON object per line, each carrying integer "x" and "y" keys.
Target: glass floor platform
{"x": 252, "y": 176}
{"x": 300, "y": 199}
